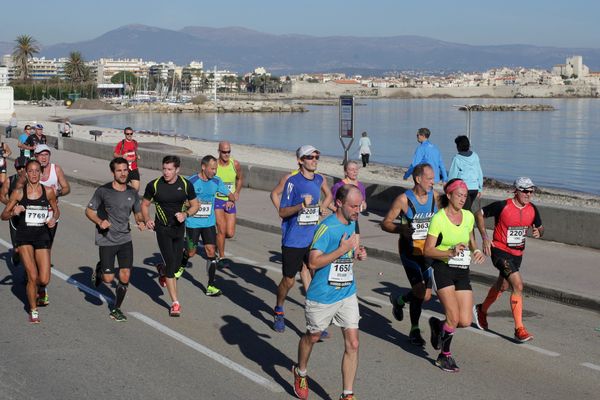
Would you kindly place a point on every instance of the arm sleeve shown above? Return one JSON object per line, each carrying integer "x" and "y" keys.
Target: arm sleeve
{"x": 321, "y": 239}
{"x": 96, "y": 200}
{"x": 537, "y": 219}
{"x": 335, "y": 188}
{"x": 453, "y": 170}
{"x": 479, "y": 174}
{"x": 419, "y": 153}
{"x": 223, "y": 188}
{"x": 119, "y": 148}
{"x": 149, "y": 192}
{"x": 191, "y": 193}
{"x": 443, "y": 173}
{"x": 435, "y": 227}
{"x": 493, "y": 209}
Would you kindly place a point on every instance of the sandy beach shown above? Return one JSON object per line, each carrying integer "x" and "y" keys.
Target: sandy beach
{"x": 374, "y": 173}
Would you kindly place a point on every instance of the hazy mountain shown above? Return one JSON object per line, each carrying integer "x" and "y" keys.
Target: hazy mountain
{"x": 6, "y": 47}
{"x": 242, "y": 50}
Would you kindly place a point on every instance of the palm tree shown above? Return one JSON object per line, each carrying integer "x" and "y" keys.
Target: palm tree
{"x": 75, "y": 68}
{"x": 25, "y": 48}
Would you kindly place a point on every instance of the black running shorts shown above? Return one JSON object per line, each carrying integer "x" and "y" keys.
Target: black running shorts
{"x": 445, "y": 276}
{"x": 292, "y": 259}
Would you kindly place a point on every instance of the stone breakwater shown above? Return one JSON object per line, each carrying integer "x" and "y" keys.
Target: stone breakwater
{"x": 507, "y": 107}
{"x": 220, "y": 107}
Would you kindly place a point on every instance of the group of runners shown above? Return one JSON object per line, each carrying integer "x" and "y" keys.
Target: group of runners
{"x": 436, "y": 241}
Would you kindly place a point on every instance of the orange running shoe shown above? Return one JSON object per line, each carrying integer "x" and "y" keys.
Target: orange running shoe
{"x": 522, "y": 335}
{"x": 300, "y": 384}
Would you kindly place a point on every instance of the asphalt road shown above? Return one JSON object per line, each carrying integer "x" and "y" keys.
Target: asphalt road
{"x": 224, "y": 347}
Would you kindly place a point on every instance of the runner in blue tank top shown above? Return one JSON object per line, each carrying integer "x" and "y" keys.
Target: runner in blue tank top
{"x": 202, "y": 223}
{"x": 415, "y": 208}
{"x": 300, "y": 212}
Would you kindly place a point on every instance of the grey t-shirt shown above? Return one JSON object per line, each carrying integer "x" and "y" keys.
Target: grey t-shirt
{"x": 115, "y": 206}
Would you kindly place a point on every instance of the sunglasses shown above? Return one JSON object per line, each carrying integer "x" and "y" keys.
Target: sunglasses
{"x": 526, "y": 191}
{"x": 311, "y": 157}
{"x": 224, "y": 152}
{"x": 129, "y": 134}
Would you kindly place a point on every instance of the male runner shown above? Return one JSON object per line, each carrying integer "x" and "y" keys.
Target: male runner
{"x": 127, "y": 148}
{"x": 37, "y": 138}
{"x": 110, "y": 208}
{"x": 169, "y": 194}
{"x": 513, "y": 218}
{"x": 230, "y": 172}
{"x": 415, "y": 207}
{"x": 21, "y": 141}
{"x": 300, "y": 211}
{"x": 331, "y": 296}
{"x": 202, "y": 223}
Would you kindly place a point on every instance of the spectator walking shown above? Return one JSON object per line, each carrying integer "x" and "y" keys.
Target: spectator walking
{"x": 365, "y": 149}
{"x": 427, "y": 153}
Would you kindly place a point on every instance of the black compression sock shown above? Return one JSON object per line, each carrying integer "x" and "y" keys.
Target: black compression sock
{"x": 121, "y": 291}
{"x": 415, "y": 310}
{"x": 211, "y": 265}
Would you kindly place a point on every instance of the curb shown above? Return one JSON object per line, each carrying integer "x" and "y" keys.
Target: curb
{"x": 556, "y": 295}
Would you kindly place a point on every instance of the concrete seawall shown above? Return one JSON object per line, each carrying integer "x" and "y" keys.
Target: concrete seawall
{"x": 564, "y": 225}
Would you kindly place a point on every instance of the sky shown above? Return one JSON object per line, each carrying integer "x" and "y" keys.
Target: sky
{"x": 559, "y": 24}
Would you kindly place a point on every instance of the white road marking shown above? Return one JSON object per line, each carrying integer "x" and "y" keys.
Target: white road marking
{"x": 245, "y": 260}
{"x": 73, "y": 204}
{"x": 81, "y": 286}
{"x": 254, "y": 377}
{"x": 591, "y": 366}
{"x": 539, "y": 349}
{"x": 271, "y": 268}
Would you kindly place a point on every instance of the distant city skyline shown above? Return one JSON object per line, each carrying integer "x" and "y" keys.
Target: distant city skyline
{"x": 535, "y": 22}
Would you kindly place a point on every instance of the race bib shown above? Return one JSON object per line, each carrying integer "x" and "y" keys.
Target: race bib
{"x": 515, "y": 236}
{"x": 204, "y": 211}
{"x": 462, "y": 260}
{"x": 309, "y": 216}
{"x": 36, "y": 215}
{"x": 340, "y": 272}
{"x": 27, "y": 153}
{"x": 420, "y": 227}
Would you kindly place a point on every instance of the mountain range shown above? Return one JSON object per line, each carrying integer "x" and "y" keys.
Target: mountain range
{"x": 241, "y": 50}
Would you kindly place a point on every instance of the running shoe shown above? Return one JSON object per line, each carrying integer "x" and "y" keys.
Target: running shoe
{"x": 42, "y": 298}
{"x": 397, "y": 309}
{"x": 415, "y": 337}
{"x": 118, "y": 315}
{"x": 213, "y": 291}
{"x": 175, "y": 310}
{"x": 279, "y": 322}
{"x": 34, "y": 317}
{"x": 179, "y": 272}
{"x": 446, "y": 363}
{"x": 436, "y": 332}
{"x": 347, "y": 396}
{"x": 300, "y": 384}
{"x": 479, "y": 317}
{"x": 96, "y": 275}
{"x": 522, "y": 335}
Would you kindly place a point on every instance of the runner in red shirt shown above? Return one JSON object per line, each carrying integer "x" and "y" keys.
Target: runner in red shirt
{"x": 513, "y": 219}
{"x": 128, "y": 149}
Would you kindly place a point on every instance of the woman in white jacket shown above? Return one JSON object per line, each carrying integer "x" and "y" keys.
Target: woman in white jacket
{"x": 365, "y": 148}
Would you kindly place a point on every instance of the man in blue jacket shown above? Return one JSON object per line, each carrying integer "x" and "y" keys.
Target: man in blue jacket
{"x": 427, "y": 153}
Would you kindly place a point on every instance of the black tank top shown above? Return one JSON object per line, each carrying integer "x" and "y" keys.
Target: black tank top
{"x": 32, "y": 222}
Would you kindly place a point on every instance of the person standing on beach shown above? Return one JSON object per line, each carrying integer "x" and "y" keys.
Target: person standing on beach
{"x": 466, "y": 166}
{"x": 12, "y": 125}
{"x": 427, "y": 153}
{"x": 25, "y": 151}
{"x": 169, "y": 193}
{"x": 513, "y": 218}
{"x": 300, "y": 212}
{"x": 109, "y": 209}
{"x": 365, "y": 148}
{"x": 331, "y": 297}
{"x": 415, "y": 208}
{"x": 127, "y": 148}
{"x": 202, "y": 224}
{"x": 230, "y": 172}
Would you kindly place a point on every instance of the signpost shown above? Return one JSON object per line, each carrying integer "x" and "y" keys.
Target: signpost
{"x": 346, "y": 123}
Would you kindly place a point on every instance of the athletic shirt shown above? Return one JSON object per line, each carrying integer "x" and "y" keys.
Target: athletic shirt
{"x": 169, "y": 198}
{"x": 34, "y": 140}
{"x": 128, "y": 149}
{"x": 228, "y": 174}
{"x": 419, "y": 217}
{"x": 298, "y": 229}
{"x": 51, "y": 182}
{"x": 448, "y": 234}
{"x": 115, "y": 206}
{"x": 511, "y": 224}
{"x": 335, "y": 281}
{"x": 31, "y": 225}
{"x": 205, "y": 192}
